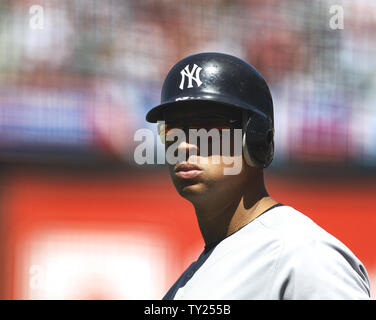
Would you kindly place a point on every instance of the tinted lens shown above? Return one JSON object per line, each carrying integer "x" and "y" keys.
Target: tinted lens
{"x": 165, "y": 130}
{"x": 207, "y": 123}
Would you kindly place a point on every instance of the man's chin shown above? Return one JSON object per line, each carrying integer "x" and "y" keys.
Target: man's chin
{"x": 192, "y": 191}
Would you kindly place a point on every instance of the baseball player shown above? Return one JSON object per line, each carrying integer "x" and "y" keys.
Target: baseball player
{"x": 255, "y": 247}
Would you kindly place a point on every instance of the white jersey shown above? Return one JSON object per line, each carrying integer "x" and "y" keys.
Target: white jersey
{"x": 282, "y": 254}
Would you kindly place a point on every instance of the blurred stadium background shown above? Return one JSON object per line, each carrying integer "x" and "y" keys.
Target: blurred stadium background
{"x": 81, "y": 220}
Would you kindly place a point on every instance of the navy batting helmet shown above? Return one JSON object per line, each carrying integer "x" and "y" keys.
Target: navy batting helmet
{"x": 227, "y": 80}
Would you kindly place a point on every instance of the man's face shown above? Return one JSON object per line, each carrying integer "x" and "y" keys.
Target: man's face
{"x": 206, "y": 173}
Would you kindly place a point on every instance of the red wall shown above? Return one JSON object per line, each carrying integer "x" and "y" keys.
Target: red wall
{"x": 34, "y": 201}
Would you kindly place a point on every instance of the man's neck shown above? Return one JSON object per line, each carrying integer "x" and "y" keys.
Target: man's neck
{"x": 217, "y": 221}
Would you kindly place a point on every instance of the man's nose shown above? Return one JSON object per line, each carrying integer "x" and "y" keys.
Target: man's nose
{"x": 189, "y": 148}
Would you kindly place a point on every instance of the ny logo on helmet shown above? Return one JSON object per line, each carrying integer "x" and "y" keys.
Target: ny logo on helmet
{"x": 189, "y": 74}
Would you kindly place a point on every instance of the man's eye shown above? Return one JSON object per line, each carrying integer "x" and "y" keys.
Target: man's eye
{"x": 172, "y": 131}
{"x": 170, "y": 139}
{"x": 171, "y": 134}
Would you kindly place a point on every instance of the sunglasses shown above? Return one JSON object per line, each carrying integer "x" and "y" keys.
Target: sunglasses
{"x": 218, "y": 122}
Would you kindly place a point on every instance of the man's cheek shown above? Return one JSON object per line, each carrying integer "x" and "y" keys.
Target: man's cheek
{"x": 233, "y": 165}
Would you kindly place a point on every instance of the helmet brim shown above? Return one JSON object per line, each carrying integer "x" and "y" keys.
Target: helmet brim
{"x": 156, "y": 113}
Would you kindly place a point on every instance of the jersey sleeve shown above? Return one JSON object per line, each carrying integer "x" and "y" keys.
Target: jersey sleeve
{"x": 319, "y": 270}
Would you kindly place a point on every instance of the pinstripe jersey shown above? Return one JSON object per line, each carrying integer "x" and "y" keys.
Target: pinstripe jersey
{"x": 280, "y": 255}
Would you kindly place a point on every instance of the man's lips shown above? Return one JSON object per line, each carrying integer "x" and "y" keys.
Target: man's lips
{"x": 187, "y": 170}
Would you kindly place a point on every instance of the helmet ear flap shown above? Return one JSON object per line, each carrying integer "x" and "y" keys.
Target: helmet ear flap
{"x": 246, "y": 154}
{"x": 258, "y": 140}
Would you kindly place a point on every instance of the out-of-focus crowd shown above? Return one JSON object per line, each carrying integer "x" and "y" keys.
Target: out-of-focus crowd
{"x": 118, "y": 52}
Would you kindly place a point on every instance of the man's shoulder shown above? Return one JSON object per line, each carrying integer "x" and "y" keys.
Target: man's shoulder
{"x": 287, "y": 233}
{"x": 311, "y": 255}
{"x": 296, "y": 233}
{"x": 286, "y": 224}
